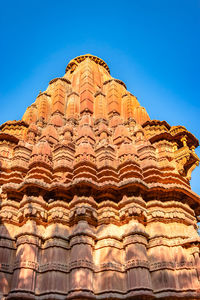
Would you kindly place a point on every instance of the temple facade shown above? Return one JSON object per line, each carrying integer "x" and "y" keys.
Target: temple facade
{"x": 95, "y": 197}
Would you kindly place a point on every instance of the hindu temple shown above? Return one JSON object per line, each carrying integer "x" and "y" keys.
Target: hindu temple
{"x": 95, "y": 197}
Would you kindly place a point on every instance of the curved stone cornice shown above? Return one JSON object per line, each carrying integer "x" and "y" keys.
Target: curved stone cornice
{"x": 161, "y": 190}
{"x": 60, "y": 78}
{"x": 81, "y": 58}
{"x": 116, "y": 80}
{"x": 43, "y": 94}
{"x": 13, "y": 123}
{"x": 155, "y": 123}
{"x": 8, "y": 137}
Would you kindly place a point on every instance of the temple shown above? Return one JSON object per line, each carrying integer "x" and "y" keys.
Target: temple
{"x": 95, "y": 197}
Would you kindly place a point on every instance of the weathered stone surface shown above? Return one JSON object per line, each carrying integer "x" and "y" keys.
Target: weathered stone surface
{"x": 95, "y": 197}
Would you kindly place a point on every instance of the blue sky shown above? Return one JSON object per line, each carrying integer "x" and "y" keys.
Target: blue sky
{"x": 153, "y": 46}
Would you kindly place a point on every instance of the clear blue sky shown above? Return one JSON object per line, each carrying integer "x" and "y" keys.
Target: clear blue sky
{"x": 152, "y": 45}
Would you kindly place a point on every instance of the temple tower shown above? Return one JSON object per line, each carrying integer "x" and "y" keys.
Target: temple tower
{"x": 95, "y": 197}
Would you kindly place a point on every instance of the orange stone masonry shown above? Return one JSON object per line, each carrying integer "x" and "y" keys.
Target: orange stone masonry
{"x": 95, "y": 196}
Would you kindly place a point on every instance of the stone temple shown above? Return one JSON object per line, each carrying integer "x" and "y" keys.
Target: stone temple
{"x": 95, "y": 197}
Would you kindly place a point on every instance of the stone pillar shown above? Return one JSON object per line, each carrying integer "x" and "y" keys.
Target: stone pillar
{"x": 86, "y": 87}
{"x": 43, "y": 104}
{"x": 108, "y": 258}
{"x": 26, "y": 262}
{"x": 113, "y": 98}
{"x": 53, "y": 276}
{"x": 136, "y": 262}
{"x": 100, "y": 106}
{"x": 197, "y": 261}
{"x": 73, "y": 105}
{"x": 7, "y": 256}
{"x": 60, "y": 86}
{"x": 81, "y": 259}
{"x": 161, "y": 267}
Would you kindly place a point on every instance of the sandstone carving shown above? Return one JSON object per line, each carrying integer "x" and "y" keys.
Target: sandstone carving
{"x": 95, "y": 197}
